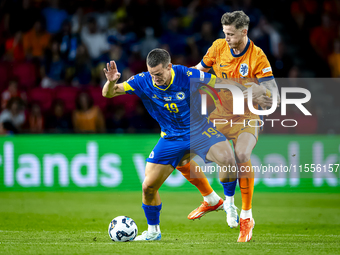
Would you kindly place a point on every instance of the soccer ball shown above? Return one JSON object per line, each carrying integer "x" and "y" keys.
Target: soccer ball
{"x": 122, "y": 229}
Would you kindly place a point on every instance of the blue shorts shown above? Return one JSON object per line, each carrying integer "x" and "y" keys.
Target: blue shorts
{"x": 172, "y": 151}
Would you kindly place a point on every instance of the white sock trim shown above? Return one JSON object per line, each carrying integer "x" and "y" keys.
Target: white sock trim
{"x": 245, "y": 214}
{"x": 153, "y": 228}
{"x": 229, "y": 200}
{"x": 212, "y": 198}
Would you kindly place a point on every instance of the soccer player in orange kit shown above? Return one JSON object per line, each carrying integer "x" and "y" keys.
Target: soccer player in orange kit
{"x": 236, "y": 57}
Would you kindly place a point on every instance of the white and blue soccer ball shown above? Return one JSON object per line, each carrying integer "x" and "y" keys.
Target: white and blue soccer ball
{"x": 122, "y": 229}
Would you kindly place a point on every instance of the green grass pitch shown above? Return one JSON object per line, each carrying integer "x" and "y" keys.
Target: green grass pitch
{"x": 77, "y": 222}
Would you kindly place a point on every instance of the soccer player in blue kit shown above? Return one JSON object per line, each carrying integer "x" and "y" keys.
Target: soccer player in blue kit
{"x": 166, "y": 91}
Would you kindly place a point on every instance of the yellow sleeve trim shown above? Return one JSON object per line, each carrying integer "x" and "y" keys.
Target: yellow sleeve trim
{"x": 212, "y": 81}
{"x": 163, "y": 134}
{"x": 127, "y": 86}
{"x": 268, "y": 93}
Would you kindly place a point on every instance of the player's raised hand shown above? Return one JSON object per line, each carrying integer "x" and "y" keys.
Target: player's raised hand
{"x": 264, "y": 101}
{"x": 257, "y": 90}
{"x": 111, "y": 72}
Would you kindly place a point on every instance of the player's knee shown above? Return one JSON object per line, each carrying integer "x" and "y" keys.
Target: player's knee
{"x": 183, "y": 162}
{"x": 242, "y": 157}
{"x": 228, "y": 176}
{"x": 226, "y": 160}
{"x": 148, "y": 190}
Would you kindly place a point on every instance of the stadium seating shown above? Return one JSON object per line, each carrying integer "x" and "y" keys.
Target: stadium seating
{"x": 4, "y": 76}
{"x": 98, "y": 99}
{"x": 26, "y": 74}
{"x": 68, "y": 95}
{"x": 43, "y": 96}
{"x": 128, "y": 101}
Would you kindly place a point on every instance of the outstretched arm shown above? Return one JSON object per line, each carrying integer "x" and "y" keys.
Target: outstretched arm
{"x": 111, "y": 89}
{"x": 230, "y": 82}
{"x": 259, "y": 92}
{"x": 271, "y": 86}
{"x": 201, "y": 68}
{"x": 256, "y": 88}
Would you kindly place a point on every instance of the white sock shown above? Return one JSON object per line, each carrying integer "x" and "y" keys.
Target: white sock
{"x": 153, "y": 228}
{"x": 212, "y": 198}
{"x": 229, "y": 200}
{"x": 245, "y": 214}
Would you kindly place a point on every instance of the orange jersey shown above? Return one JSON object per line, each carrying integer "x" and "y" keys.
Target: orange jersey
{"x": 86, "y": 121}
{"x": 250, "y": 65}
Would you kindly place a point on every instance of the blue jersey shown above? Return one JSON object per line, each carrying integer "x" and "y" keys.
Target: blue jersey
{"x": 175, "y": 107}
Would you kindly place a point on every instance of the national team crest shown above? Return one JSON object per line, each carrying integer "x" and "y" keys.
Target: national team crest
{"x": 180, "y": 95}
{"x": 244, "y": 69}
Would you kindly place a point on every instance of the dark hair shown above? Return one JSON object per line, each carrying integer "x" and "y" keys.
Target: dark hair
{"x": 92, "y": 20}
{"x": 158, "y": 56}
{"x": 14, "y": 100}
{"x": 237, "y": 18}
{"x": 89, "y": 98}
{"x": 58, "y": 102}
{"x": 13, "y": 80}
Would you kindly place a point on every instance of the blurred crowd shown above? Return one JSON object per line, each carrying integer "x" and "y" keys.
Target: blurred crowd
{"x": 53, "y": 52}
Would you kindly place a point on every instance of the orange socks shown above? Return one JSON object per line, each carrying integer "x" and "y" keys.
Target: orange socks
{"x": 196, "y": 177}
{"x": 246, "y": 182}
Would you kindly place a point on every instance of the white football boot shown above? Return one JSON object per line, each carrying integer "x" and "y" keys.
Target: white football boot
{"x": 149, "y": 236}
{"x": 232, "y": 216}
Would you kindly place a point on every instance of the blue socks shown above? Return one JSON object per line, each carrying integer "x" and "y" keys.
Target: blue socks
{"x": 152, "y": 213}
{"x": 229, "y": 188}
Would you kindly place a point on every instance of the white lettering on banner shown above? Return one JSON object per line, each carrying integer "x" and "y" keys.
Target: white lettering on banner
{"x": 28, "y": 173}
{"x": 50, "y": 163}
{"x": 109, "y": 164}
{"x": 255, "y": 161}
{"x": 175, "y": 179}
{"x": 319, "y": 177}
{"x": 90, "y": 170}
{"x": 8, "y": 164}
{"x": 274, "y": 179}
{"x": 294, "y": 160}
{"x": 139, "y": 162}
{"x": 90, "y": 161}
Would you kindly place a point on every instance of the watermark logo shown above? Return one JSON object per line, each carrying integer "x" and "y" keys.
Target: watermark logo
{"x": 238, "y": 100}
